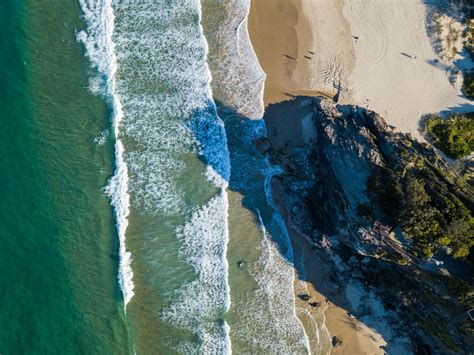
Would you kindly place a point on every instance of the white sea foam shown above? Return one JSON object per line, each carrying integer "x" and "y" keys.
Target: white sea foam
{"x": 164, "y": 85}
{"x": 236, "y": 70}
{"x": 284, "y": 242}
{"x": 270, "y": 172}
{"x": 199, "y": 306}
{"x": 100, "y": 50}
{"x": 163, "y": 82}
{"x": 268, "y": 320}
{"x": 101, "y": 138}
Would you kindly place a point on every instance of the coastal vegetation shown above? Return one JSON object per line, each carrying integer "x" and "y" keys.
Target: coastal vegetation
{"x": 431, "y": 205}
{"x": 455, "y": 135}
{"x": 468, "y": 85}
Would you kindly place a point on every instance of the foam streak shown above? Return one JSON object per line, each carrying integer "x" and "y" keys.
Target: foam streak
{"x": 100, "y": 50}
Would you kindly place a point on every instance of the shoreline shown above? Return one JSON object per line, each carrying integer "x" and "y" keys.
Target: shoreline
{"x": 284, "y": 81}
{"x": 356, "y": 337}
{"x": 288, "y": 48}
{"x": 317, "y": 270}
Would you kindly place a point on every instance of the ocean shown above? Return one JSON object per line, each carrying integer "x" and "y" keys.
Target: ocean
{"x": 137, "y": 214}
{"x": 58, "y": 242}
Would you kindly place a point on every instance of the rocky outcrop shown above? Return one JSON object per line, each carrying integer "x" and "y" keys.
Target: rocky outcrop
{"x": 331, "y": 171}
{"x": 325, "y": 179}
{"x": 325, "y": 192}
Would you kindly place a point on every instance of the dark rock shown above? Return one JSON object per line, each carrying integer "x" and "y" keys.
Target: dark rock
{"x": 326, "y": 184}
{"x": 423, "y": 349}
{"x": 304, "y": 296}
{"x": 242, "y": 265}
{"x": 263, "y": 145}
{"x": 336, "y": 341}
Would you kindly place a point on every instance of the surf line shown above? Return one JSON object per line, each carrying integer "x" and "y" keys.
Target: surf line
{"x": 270, "y": 172}
{"x": 100, "y": 49}
{"x": 220, "y": 179}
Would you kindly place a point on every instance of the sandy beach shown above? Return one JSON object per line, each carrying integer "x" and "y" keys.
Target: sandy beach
{"x": 376, "y": 54}
{"x": 297, "y": 59}
{"x": 356, "y": 337}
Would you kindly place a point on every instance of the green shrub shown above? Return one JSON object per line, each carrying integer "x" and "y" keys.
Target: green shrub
{"x": 386, "y": 187}
{"x": 425, "y": 209}
{"x": 468, "y": 85}
{"x": 454, "y": 136}
{"x": 365, "y": 211}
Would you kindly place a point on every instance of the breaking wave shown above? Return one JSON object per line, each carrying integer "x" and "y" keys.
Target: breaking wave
{"x": 100, "y": 50}
{"x": 151, "y": 56}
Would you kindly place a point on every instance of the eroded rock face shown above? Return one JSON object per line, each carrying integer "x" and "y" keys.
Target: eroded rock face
{"x": 344, "y": 144}
{"x": 325, "y": 178}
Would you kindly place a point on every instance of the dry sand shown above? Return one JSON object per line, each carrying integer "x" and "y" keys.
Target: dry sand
{"x": 395, "y": 73}
{"x": 372, "y": 53}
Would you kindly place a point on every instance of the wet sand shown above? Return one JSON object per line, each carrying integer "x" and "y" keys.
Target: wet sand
{"x": 357, "y": 338}
{"x": 297, "y": 59}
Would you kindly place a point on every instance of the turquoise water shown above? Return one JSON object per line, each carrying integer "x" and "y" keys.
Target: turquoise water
{"x": 58, "y": 243}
